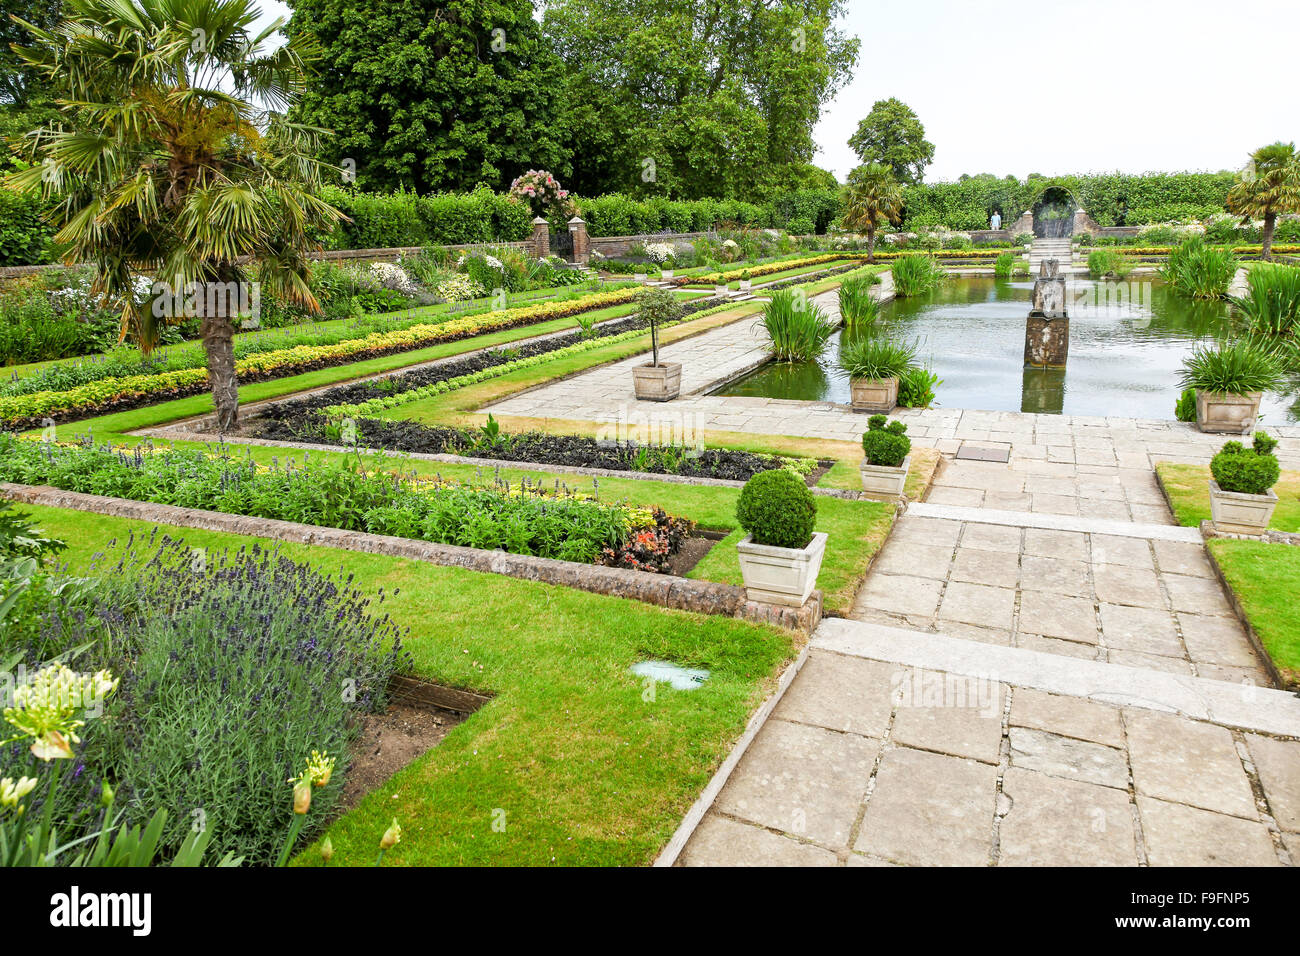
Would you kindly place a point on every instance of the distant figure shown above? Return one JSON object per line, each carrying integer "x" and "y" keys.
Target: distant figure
{"x": 995, "y": 221}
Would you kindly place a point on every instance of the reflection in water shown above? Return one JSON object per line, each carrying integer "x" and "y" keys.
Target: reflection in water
{"x": 1043, "y": 391}
{"x": 1127, "y": 343}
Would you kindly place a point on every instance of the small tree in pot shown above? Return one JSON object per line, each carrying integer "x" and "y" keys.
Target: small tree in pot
{"x": 781, "y": 555}
{"x": 1241, "y": 495}
{"x": 1229, "y": 381}
{"x": 658, "y": 382}
{"x": 886, "y": 448}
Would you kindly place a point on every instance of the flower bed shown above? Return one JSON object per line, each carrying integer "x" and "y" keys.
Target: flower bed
{"x": 27, "y": 410}
{"x": 301, "y": 424}
{"x": 522, "y": 519}
{"x": 216, "y": 679}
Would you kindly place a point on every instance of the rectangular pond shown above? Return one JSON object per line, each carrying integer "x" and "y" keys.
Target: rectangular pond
{"x": 1127, "y": 344}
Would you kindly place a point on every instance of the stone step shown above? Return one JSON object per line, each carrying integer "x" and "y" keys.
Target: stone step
{"x": 1054, "y": 522}
{"x": 1260, "y": 709}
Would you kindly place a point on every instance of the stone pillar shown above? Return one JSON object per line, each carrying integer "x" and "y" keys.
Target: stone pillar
{"x": 1025, "y": 224}
{"x": 1047, "y": 330}
{"x": 541, "y": 238}
{"x": 581, "y": 242}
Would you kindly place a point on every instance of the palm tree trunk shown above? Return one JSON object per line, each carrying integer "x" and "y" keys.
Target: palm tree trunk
{"x": 871, "y": 245}
{"x": 1270, "y": 223}
{"x": 219, "y": 343}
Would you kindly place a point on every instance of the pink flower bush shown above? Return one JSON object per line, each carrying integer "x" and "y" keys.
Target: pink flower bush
{"x": 542, "y": 192}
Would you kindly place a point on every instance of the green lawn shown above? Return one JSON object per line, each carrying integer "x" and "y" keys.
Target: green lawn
{"x": 1264, "y": 577}
{"x": 1189, "y": 492}
{"x": 570, "y": 754}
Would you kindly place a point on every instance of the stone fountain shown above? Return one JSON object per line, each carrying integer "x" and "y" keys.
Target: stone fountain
{"x": 1047, "y": 330}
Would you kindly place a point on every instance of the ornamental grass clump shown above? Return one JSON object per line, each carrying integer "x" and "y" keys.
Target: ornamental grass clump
{"x": 885, "y": 443}
{"x": 797, "y": 329}
{"x": 777, "y": 509}
{"x": 857, "y": 304}
{"x": 1002, "y": 265}
{"x": 1236, "y": 368}
{"x": 1247, "y": 471}
{"x": 916, "y": 275}
{"x": 1200, "y": 271}
{"x": 876, "y": 357}
{"x": 1271, "y": 305}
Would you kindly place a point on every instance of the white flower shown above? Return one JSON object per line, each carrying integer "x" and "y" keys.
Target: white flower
{"x": 658, "y": 251}
{"x": 393, "y": 277}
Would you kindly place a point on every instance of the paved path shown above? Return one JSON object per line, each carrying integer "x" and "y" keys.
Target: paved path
{"x": 1041, "y": 667}
{"x": 893, "y": 749}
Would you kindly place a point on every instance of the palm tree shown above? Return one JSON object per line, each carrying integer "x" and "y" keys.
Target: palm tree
{"x": 172, "y": 156}
{"x": 873, "y": 195}
{"x": 1268, "y": 187}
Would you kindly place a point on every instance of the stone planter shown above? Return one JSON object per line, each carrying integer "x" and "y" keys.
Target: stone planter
{"x": 666, "y": 273}
{"x": 746, "y": 285}
{"x": 639, "y": 276}
{"x": 1238, "y": 513}
{"x": 883, "y": 482}
{"x": 721, "y": 290}
{"x": 784, "y": 576}
{"x": 1227, "y": 413}
{"x": 875, "y": 395}
{"x": 657, "y": 383}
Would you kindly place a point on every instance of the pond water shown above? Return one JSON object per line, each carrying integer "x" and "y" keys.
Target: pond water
{"x": 1127, "y": 343}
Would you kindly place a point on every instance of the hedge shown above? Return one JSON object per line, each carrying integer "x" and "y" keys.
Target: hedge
{"x": 1111, "y": 199}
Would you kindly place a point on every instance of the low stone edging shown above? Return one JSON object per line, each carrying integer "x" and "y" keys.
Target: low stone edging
{"x": 1268, "y": 537}
{"x": 684, "y": 594}
{"x": 1240, "y": 611}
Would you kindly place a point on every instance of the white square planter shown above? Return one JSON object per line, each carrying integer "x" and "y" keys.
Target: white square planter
{"x": 883, "y": 482}
{"x": 1238, "y": 513}
{"x": 639, "y": 276}
{"x": 721, "y": 290}
{"x": 746, "y": 285}
{"x": 666, "y": 273}
{"x": 784, "y": 576}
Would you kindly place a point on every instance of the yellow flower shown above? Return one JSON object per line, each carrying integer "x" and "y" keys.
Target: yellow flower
{"x": 392, "y": 836}
{"x": 51, "y": 706}
{"x": 301, "y": 797}
{"x": 11, "y": 792}
{"x": 319, "y": 768}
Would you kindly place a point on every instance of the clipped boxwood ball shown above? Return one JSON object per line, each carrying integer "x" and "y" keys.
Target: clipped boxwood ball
{"x": 777, "y": 508}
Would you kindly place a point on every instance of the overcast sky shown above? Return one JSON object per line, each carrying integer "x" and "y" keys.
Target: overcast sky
{"x": 1052, "y": 87}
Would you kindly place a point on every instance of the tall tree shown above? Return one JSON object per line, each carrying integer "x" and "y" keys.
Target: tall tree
{"x": 892, "y": 134}
{"x": 872, "y": 196}
{"x": 434, "y": 94}
{"x": 19, "y": 83}
{"x": 1268, "y": 187}
{"x": 690, "y": 98}
{"x": 172, "y": 156}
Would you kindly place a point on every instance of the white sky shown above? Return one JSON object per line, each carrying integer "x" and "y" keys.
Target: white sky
{"x": 1055, "y": 87}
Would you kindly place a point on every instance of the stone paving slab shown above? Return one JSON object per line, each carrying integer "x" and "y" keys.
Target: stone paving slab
{"x": 1095, "y": 596}
{"x": 975, "y": 767}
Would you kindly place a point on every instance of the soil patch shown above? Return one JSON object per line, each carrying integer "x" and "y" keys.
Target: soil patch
{"x": 691, "y": 552}
{"x": 389, "y": 741}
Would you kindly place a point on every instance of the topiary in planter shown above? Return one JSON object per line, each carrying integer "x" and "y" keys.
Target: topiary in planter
{"x": 777, "y": 509}
{"x": 885, "y": 442}
{"x": 1247, "y": 471}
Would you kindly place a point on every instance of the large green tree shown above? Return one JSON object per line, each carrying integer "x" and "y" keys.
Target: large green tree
{"x": 20, "y": 85}
{"x": 433, "y": 94}
{"x": 172, "y": 156}
{"x": 1267, "y": 188}
{"x": 691, "y": 98}
{"x": 892, "y": 134}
